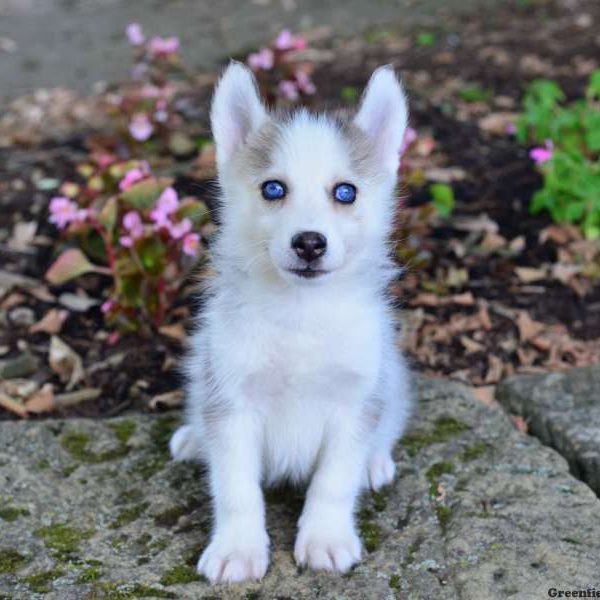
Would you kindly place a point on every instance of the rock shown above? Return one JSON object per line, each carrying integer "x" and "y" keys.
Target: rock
{"x": 22, "y": 365}
{"x": 563, "y": 410}
{"x": 96, "y": 510}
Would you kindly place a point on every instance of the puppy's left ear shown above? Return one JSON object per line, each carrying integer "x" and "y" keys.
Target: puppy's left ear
{"x": 236, "y": 110}
{"x": 383, "y": 115}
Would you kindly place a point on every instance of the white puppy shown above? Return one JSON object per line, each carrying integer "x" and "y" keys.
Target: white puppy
{"x": 294, "y": 373}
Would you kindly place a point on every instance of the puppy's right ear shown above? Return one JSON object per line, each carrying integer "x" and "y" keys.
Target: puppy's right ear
{"x": 236, "y": 111}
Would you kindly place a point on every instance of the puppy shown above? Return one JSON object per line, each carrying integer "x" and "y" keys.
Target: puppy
{"x": 294, "y": 372}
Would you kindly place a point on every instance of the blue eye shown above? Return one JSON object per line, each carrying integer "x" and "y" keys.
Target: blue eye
{"x": 273, "y": 190}
{"x": 345, "y": 193}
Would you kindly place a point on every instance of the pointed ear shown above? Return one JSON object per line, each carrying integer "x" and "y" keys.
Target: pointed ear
{"x": 383, "y": 115}
{"x": 236, "y": 110}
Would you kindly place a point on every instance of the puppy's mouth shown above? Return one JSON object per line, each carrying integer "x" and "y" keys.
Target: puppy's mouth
{"x": 308, "y": 272}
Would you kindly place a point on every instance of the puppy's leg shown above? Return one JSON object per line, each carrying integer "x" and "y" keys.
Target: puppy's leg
{"x": 239, "y": 548}
{"x": 327, "y": 537}
{"x": 394, "y": 394}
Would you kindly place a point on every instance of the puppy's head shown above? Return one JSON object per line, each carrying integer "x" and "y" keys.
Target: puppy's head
{"x": 306, "y": 197}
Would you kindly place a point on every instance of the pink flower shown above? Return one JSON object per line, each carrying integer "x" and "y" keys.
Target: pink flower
{"x": 163, "y": 46}
{"x": 510, "y": 129}
{"x": 288, "y": 89}
{"x": 410, "y": 135}
{"x": 127, "y": 241}
{"x": 261, "y": 60}
{"x": 135, "y": 35}
{"x": 149, "y": 91}
{"x": 140, "y": 127}
{"x": 107, "y": 306}
{"x": 191, "y": 244}
{"x": 105, "y": 160}
{"x": 179, "y": 230}
{"x": 131, "y": 178}
{"x": 64, "y": 212}
{"x": 286, "y": 41}
{"x": 167, "y": 204}
{"x": 542, "y": 154}
{"x": 133, "y": 223}
{"x": 304, "y": 83}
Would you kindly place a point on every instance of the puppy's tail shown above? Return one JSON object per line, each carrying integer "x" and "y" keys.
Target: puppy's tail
{"x": 185, "y": 445}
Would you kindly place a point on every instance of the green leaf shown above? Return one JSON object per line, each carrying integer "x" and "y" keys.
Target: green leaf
{"x": 443, "y": 198}
{"x": 474, "y": 93}
{"x": 196, "y": 210}
{"x": 594, "y": 85}
{"x": 144, "y": 195}
{"x": 426, "y": 38}
{"x": 108, "y": 214}
{"x": 70, "y": 264}
{"x": 152, "y": 255}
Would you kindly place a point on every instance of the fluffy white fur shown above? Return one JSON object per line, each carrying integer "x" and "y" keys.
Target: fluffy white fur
{"x": 292, "y": 378}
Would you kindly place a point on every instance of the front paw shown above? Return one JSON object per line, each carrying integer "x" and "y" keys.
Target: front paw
{"x": 232, "y": 559}
{"x": 329, "y": 549}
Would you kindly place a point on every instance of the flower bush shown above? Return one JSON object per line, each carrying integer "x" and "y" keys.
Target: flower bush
{"x": 280, "y": 72}
{"x": 567, "y": 152}
{"x": 145, "y": 108}
{"x": 125, "y": 223}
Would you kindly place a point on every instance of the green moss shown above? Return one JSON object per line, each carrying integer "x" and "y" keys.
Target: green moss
{"x": 379, "y": 501}
{"x": 394, "y": 582}
{"x": 473, "y": 451}
{"x": 162, "y": 430}
{"x": 69, "y": 470}
{"x": 11, "y": 561}
{"x": 284, "y": 496}
{"x": 12, "y": 513}
{"x": 412, "y": 551}
{"x": 43, "y": 465}
{"x": 41, "y": 582}
{"x": 129, "y": 514}
{"x": 444, "y": 428}
{"x": 125, "y": 591}
{"x": 180, "y": 574}
{"x": 62, "y": 539}
{"x": 443, "y": 514}
{"x": 123, "y": 430}
{"x": 90, "y": 575}
{"x": 130, "y": 495}
{"x": 170, "y": 516}
{"x": 570, "y": 540}
{"x": 76, "y": 444}
{"x": 434, "y": 473}
{"x": 369, "y": 530}
{"x": 147, "y": 466}
{"x": 118, "y": 541}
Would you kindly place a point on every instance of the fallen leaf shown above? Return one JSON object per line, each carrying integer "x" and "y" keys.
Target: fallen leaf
{"x": 12, "y": 300}
{"x": 71, "y": 398}
{"x": 77, "y": 302}
{"x": 528, "y": 328}
{"x": 42, "y": 401}
{"x": 530, "y": 274}
{"x": 51, "y": 322}
{"x": 464, "y": 299}
{"x": 480, "y": 223}
{"x": 13, "y": 406}
{"x": 175, "y": 331}
{"x": 492, "y": 241}
{"x": 172, "y": 399}
{"x": 494, "y": 373}
{"x": 471, "y": 346}
{"x": 65, "y": 362}
{"x": 498, "y": 122}
{"x": 520, "y": 423}
{"x": 445, "y": 174}
{"x": 517, "y": 244}
{"x": 486, "y": 394}
{"x": 70, "y": 264}
{"x": 22, "y": 236}
{"x": 564, "y": 272}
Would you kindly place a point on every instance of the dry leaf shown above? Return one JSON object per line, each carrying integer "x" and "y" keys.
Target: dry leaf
{"x": 481, "y": 223}
{"x": 530, "y": 274}
{"x": 519, "y": 423}
{"x": 175, "y": 331}
{"x": 528, "y": 328}
{"x": 486, "y": 394}
{"x": 464, "y": 299}
{"x": 51, "y": 322}
{"x": 172, "y": 399}
{"x": 12, "y": 300}
{"x": 498, "y": 122}
{"x": 13, "y": 405}
{"x": 77, "y": 302}
{"x": 65, "y": 362}
{"x": 42, "y": 401}
{"x": 496, "y": 367}
{"x": 22, "y": 236}
{"x": 493, "y": 241}
{"x": 70, "y": 398}
{"x": 471, "y": 346}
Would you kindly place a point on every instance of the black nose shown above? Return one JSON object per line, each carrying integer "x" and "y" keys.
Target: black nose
{"x": 309, "y": 245}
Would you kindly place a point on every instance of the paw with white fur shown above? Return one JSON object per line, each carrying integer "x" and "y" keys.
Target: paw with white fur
{"x": 241, "y": 556}
{"x": 380, "y": 470}
{"x": 183, "y": 444}
{"x": 327, "y": 548}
